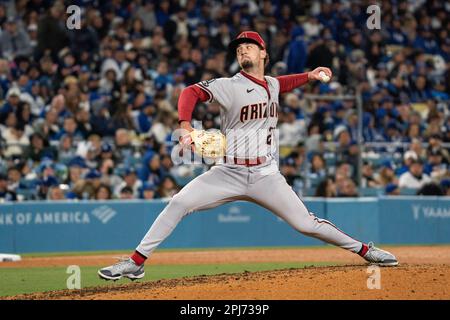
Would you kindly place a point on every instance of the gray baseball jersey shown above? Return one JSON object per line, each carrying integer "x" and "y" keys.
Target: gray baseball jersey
{"x": 249, "y": 113}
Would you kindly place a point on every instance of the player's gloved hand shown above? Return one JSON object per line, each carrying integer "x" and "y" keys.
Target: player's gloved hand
{"x": 315, "y": 74}
{"x": 210, "y": 144}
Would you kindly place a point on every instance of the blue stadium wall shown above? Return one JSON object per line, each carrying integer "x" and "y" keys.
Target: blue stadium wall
{"x": 117, "y": 225}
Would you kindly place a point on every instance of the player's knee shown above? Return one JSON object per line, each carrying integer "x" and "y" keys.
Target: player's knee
{"x": 179, "y": 205}
{"x": 307, "y": 228}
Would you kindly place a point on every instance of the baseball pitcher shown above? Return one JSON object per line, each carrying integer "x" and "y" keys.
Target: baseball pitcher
{"x": 247, "y": 168}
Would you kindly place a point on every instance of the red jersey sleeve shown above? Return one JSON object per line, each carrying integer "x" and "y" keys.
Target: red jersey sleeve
{"x": 189, "y": 97}
{"x": 292, "y": 81}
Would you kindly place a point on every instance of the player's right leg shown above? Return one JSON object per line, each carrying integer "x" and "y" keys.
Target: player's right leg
{"x": 273, "y": 193}
{"x": 217, "y": 186}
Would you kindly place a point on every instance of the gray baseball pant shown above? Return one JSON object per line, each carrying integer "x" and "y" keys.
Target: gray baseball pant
{"x": 227, "y": 182}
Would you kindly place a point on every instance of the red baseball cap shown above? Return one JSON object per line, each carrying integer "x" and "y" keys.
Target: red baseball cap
{"x": 247, "y": 36}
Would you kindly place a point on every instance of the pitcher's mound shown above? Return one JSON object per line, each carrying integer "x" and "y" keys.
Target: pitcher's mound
{"x": 406, "y": 281}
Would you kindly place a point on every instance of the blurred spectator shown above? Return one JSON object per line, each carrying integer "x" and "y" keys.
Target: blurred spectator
{"x": 430, "y": 189}
{"x": 326, "y": 188}
{"x": 386, "y": 174}
{"x": 52, "y": 31}
{"x": 290, "y": 170}
{"x": 85, "y": 188}
{"x": 347, "y": 150}
{"x": 408, "y": 157}
{"x": 163, "y": 126}
{"x": 39, "y": 148}
{"x": 15, "y": 140}
{"x": 14, "y": 41}
{"x": 318, "y": 167}
{"x": 344, "y": 169}
{"x": 322, "y": 51}
{"x": 168, "y": 187}
{"x": 106, "y": 152}
{"x": 417, "y": 148}
{"x": 124, "y": 149}
{"x": 84, "y": 39}
{"x": 131, "y": 180}
{"x": 313, "y": 141}
{"x": 166, "y": 165}
{"x": 45, "y": 185}
{"x": 26, "y": 171}
{"x": 126, "y": 193}
{"x": 66, "y": 148}
{"x": 297, "y": 52}
{"x": 148, "y": 191}
{"x": 368, "y": 176}
{"x": 11, "y": 104}
{"x": 392, "y": 189}
{"x": 151, "y": 169}
{"x": 347, "y": 189}
{"x": 5, "y": 194}
{"x": 435, "y": 146}
{"x": 56, "y": 193}
{"x": 70, "y": 127}
{"x": 103, "y": 192}
{"x": 14, "y": 177}
{"x": 435, "y": 166}
{"x": 76, "y": 167}
{"x": 414, "y": 178}
{"x": 146, "y": 13}
{"x": 291, "y": 129}
{"x": 109, "y": 177}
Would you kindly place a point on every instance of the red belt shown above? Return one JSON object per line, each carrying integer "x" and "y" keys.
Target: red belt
{"x": 245, "y": 162}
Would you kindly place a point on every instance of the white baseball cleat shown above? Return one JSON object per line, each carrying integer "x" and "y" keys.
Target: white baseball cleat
{"x": 380, "y": 257}
{"x": 125, "y": 268}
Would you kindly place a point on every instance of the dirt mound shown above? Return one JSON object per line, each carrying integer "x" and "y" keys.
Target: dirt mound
{"x": 341, "y": 282}
{"x": 424, "y": 273}
{"x": 415, "y": 255}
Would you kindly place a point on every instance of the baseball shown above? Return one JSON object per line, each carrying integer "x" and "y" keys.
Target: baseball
{"x": 324, "y": 76}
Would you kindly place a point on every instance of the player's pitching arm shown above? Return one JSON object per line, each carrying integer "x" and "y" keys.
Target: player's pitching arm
{"x": 187, "y": 101}
{"x": 292, "y": 81}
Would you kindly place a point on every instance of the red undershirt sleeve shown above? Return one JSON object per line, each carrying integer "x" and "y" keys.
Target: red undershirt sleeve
{"x": 292, "y": 81}
{"x": 189, "y": 97}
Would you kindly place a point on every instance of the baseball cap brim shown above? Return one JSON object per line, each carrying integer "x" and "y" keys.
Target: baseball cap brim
{"x": 236, "y": 42}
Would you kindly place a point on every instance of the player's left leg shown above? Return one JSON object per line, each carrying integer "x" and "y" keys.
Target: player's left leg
{"x": 217, "y": 186}
{"x": 273, "y": 193}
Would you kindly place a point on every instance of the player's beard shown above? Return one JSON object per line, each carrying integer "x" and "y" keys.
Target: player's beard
{"x": 247, "y": 64}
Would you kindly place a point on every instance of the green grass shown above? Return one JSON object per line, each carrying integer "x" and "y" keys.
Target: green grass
{"x": 15, "y": 281}
{"x": 128, "y": 251}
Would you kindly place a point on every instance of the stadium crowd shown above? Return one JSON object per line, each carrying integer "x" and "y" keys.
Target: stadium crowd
{"x": 88, "y": 113}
